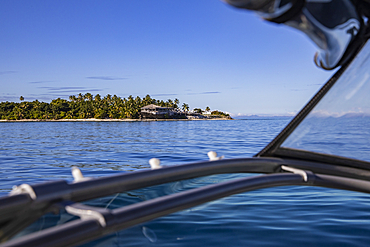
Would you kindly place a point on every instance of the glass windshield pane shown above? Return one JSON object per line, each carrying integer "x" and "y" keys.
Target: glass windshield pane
{"x": 340, "y": 122}
{"x": 281, "y": 216}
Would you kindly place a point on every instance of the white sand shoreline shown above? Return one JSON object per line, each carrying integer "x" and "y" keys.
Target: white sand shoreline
{"x": 107, "y": 120}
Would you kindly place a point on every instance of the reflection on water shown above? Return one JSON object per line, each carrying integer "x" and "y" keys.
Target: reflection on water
{"x": 149, "y": 234}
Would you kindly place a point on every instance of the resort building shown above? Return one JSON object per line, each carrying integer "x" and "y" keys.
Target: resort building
{"x": 155, "y": 111}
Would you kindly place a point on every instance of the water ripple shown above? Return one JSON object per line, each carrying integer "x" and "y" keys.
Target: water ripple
{"x": 284, "y": 216}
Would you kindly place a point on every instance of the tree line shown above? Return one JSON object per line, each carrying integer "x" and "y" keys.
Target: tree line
{"x": 83, "y": 106}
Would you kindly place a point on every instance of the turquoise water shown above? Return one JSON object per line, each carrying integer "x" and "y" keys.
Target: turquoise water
{"x": 32, "y": 152}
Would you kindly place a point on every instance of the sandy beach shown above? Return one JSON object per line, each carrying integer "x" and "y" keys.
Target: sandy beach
{"x": 108, "y": 120}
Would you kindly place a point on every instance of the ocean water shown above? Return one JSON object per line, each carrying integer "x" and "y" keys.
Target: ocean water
{"x": 343, "y": 136}
{"x": 32, "y": 152}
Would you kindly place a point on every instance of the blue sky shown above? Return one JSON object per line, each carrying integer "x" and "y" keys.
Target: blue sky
{"x": 205, "y": 53}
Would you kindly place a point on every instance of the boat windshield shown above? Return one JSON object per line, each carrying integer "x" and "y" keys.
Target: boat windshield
{"x": 340, "y": 123}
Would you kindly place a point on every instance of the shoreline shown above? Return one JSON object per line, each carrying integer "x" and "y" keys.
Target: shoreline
{"x": 107, "y": 120}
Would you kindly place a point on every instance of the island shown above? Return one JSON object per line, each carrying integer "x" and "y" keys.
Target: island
{"x": 89, "y": 107}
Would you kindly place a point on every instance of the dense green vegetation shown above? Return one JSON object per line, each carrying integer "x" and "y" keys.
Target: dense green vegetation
{"x": 80, "y": 107}
{"x": 219, "y": 113}
{"x": 83, "y": 106}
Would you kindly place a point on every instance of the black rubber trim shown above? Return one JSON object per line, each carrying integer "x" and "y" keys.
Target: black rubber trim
{"x": 297, "y": 154}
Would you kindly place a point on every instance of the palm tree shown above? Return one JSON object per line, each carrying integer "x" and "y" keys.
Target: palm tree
{"x": 97, "y": 97}
{"x": 185, "y": 107}
{"x": 21, "y": 98}
{"x": 108, "y": 98}
{"x": 177, "y": 102}
{"x": 72, "y": 98}
{"x": 208, "y": 109}
{"x": 80, "y": 97}
{"x": 88, "y": 96}
{"x": 147, "y": 100}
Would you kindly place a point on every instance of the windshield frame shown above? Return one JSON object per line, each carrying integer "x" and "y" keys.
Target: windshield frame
{"x": 274, "y": 148}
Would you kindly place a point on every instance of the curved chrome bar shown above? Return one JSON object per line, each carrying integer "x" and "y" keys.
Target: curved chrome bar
{"x": 79, "y": 231}
{"x": 83, "y": 230}
{"x": 46, "y": 195}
